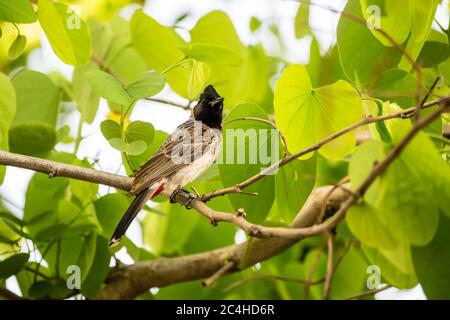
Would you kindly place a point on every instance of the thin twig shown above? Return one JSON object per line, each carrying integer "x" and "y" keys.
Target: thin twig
{"x": 323, "y": 210}
{"x": 219, "y": 274}
{"x": 104, "y": 66}
{"x": 427, "y": 95}
{"x": 312, "y": 269}
{"x": 171, "y": 103}
{"x": 368, "y": 293}
{"x": 330, "y": 266}
{"x": 270, "y": 277}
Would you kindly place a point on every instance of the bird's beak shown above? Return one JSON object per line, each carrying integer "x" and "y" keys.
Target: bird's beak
{"x": 217, "y": 101}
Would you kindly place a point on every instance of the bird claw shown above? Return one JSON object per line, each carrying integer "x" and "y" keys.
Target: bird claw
{"x": 174, "y": 194}
{"x": 189, "y": 199}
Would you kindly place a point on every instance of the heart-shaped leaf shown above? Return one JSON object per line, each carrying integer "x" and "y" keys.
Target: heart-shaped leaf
{"x": 306, "y": 115}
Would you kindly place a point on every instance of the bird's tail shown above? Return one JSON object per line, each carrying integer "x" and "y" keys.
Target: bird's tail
{"x": 131, "y": 213}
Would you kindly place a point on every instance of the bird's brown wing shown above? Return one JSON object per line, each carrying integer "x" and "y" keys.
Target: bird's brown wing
{"x": 163, "y": 164}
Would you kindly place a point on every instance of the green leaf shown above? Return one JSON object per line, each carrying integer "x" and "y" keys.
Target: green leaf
{"x": 11, "y": 217}
{"x": 87, "y": 254}
{"x": 32, "y": 138}
{"x": 350, "y": 277}
{"x": 67, "y": 33}
{"x": 395, "y": 85}
{"x": 395, "y": 266}
{"x": 363, "y": 221}
{"x": 133, "y": 148}
{"x": 255, "y": 24}
{"x": 39, "y": 289}
{"x": 406, "y": 205}
{"x": 109, "y": 210}
{"x": 152, "y": 145}
{"x": 422, "y": 15}
{"x": 19, "y": 11}
{"x": 13, "y": 264}
{"x": 42, "y": 195}
{"x": 51, "y": 233}
{"x": 17, "y": 47}
{"x": 137, "y": 253}
{"x": 301, "y": 22}
{"x": 293, "y": 184}
{"x": 25, "y": 277}
{"x": 432, "y": 263}
{"x": 306, "y": 115}
{"x": 216, "y": 28}
{"x": 33, "y": 130}
{"x": 63, "y": 135}
{"x": 167, "y": 42}
{"x": 149, "y": 85}
{"x": 7, "y": 112}
{"x": 140, "y": 130}
{"x": 210, "y": 53}
{"x": 198, "y": 78}
{"x": 248, "y": 148}
{"x": 166, "y": 234}
{"x": 67, "y": 211}
{"x": 362, "y": 56}
{"x": 248, "y": 82}
{"x": 94, "y": 280}
{"x": 433, "y": 53}
{"x": 106, "y": 86}
{"x": 136, "y": 148}
{"x": 110, "y": 129}
{"x": 86, "y": 99}
{"x": 84, "y": 191}
{"x": 394, "y": 19}
{"x": 71, "y": 245}
{"x": 363, "y": 160}
{"x": 425, "y": 161}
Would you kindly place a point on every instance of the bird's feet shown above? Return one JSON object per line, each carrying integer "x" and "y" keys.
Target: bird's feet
{"x": 189, "y": 197}
{"x": 174, "y": 194}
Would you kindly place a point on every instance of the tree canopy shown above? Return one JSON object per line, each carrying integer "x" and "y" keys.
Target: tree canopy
{"x": 353, "y": 199}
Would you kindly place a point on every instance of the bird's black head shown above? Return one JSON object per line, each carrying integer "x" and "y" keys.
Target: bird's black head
{"x": 209, "y": 108}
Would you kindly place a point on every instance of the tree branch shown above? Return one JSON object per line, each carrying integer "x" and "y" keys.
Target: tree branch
{"x": 129, "y": 281}
{"x": 57, "y": 169}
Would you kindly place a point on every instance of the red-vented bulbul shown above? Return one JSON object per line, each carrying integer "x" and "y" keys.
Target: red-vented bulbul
{"x": 185, "y": 154}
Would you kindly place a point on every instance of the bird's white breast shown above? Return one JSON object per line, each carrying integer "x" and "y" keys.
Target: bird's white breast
{"x": 190, "y": 172}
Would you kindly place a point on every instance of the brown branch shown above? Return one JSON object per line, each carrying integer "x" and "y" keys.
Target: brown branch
{"x": 129, "y": 281}
{"x": 219, "y": 274}
{"x": 330, "y": 266}
{"x": 57, "y": 169}
{"x": 368, "y": 293}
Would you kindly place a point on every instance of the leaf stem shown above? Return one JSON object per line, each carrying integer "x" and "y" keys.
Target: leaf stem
{"x": 79, "y": 135}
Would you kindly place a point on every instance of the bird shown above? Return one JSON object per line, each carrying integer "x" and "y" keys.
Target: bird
{"x": 182, "y": 157}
